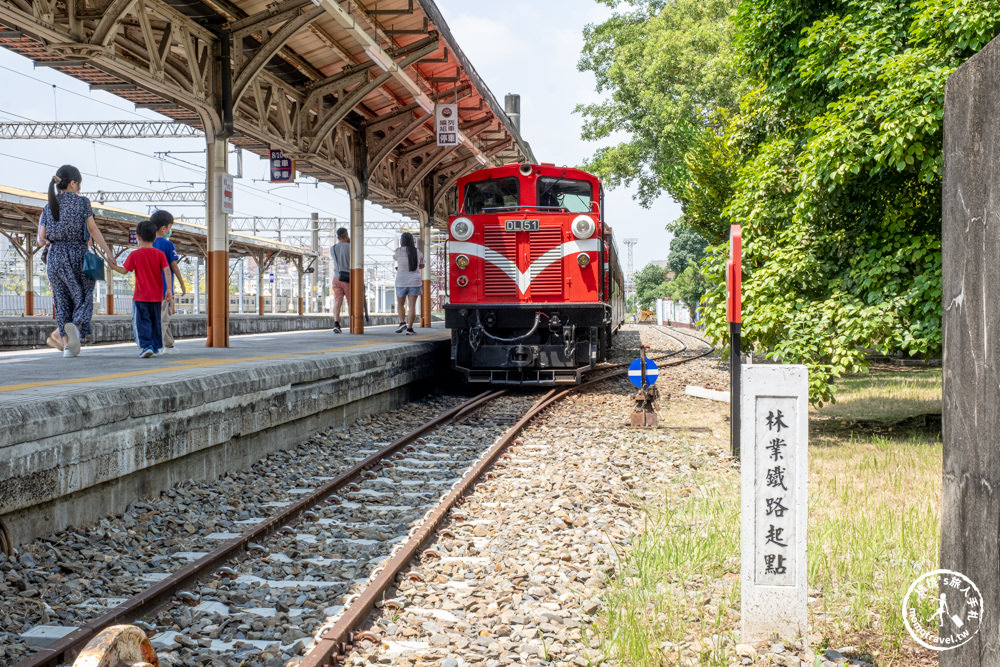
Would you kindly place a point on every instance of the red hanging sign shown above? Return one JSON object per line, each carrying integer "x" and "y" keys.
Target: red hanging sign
{"x": 734, "y": 275}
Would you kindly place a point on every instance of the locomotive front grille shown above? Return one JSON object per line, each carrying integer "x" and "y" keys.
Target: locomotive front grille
{"x": 546, "y": 282}
{"x": 497, "y": 284}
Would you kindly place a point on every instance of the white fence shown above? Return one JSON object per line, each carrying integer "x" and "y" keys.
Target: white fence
{"x": 668, "y": 310}
{"x": 13, "y": 304}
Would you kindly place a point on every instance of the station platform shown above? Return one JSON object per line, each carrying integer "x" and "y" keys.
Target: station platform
{"x": 82, "y": 437}
{"x": 21, "y": 333}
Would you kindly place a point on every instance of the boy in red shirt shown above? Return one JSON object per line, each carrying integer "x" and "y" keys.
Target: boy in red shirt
{"x": 151, "y": 274}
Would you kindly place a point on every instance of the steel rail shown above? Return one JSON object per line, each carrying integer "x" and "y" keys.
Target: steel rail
{"x": 156, "y": 597}
{"x": 334, "y": 641}
{"x": 337, "y": 640}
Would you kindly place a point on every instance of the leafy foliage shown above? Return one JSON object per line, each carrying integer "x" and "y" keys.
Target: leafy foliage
{"x": 831, "y": 160}
{"x": 687, "y": 287}
{"x": 649, "y": 285}
{"x": 667, "y": 67}
{"x": 686, "y": 247}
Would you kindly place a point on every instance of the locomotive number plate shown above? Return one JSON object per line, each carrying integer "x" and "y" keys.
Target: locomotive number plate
{"x": 520, "y": 225}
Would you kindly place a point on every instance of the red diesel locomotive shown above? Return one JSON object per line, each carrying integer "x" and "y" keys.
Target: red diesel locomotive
{"x": 536, "y": 290}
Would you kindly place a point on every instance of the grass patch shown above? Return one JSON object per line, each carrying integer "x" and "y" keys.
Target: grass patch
{"x": 679, "y": 582}
{"x": 874, "y": 527}
{"x": 886, "y": 396}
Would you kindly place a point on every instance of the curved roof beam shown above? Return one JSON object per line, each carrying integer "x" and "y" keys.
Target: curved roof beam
{"x": 414, "y": 52}
{"x": 382, "y": 150}
{"x": 270, "y": 47}
{"x": 110, "y": 21}
{"x": 377, "y": 54}
{"x": 429, "y": 163}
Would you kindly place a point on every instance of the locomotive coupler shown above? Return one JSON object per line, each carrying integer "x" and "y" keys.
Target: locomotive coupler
{"x": 522, "y": 356}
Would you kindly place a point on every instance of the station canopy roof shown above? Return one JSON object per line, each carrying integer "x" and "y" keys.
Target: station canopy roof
{"x": 345, "y": 87}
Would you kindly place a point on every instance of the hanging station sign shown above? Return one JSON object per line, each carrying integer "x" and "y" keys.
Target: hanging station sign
{"x": 282, "y": 168}
{"x": 446, "y": 124}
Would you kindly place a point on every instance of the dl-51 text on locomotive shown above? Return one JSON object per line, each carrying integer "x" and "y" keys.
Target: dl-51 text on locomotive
{"x": 536, "y": 290}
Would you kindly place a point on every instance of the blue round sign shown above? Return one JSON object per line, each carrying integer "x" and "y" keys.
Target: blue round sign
{"x": 635, "y": 372}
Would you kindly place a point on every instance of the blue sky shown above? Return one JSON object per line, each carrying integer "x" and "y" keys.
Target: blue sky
{"x": 525, "y": 47}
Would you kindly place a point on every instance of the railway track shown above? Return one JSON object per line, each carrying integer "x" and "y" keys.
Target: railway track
{"x": 328, "y": 552}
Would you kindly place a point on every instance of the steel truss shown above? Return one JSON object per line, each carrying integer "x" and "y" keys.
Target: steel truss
{"x": 116, "y": 129}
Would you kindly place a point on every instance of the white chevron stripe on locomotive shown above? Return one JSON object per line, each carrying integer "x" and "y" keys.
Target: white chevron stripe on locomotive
{"x": 509, "y": 267}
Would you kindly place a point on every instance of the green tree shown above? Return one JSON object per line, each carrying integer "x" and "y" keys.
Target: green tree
{"x": 669, "y": 74}
{"x": 686, "y": 247}
{"x": 824, "y": 142}
{"x": 839, "y": 190}
{"x": 649, "y": 285}
{"x": 689, "y": 286}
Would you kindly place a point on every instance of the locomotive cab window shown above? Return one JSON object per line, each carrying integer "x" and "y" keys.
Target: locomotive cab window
{"x": 499, "y": 194}
{"x": 564, "y": 195}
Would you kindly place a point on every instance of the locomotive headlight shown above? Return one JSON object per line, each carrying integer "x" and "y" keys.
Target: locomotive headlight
{"x": 583, "y": 227}
{"x": 462, "y": 261}
{"x": 583, "y": 259}
{"x": 462, "y": 281}
{"x": 461, "y": 229}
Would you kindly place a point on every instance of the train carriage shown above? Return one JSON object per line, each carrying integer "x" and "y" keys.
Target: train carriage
{"x": 536, "y": 291}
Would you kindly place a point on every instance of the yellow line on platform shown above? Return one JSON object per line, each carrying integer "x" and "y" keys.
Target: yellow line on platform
{"x": 191, "y": 364}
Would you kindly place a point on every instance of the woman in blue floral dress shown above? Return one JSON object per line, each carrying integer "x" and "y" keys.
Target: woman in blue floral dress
{"x": 62, "y": 226}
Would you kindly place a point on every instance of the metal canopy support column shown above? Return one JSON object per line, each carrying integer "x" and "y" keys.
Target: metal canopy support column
{"x": 260, "y": 259}
{"x": 358, "y": 195}
{"x": 29, "y": 275}
{"x": 298, "y": 291}
{"x": 273, "y": 278}
{"x": 425, "y": 275}
{"x": 197, "y": 284}
{"x": 426, "y": 234}
{"x": 357, "y": 306}
{"x": 217, "y": 283}
{"x": 313, "y": 291}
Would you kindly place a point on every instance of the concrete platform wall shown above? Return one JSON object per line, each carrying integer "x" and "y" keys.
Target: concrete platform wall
{"x": 71, "y": 460}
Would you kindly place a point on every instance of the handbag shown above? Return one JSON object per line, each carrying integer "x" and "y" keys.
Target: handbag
{"x": 93, "y": 265}
{"x": 344, "y": 276}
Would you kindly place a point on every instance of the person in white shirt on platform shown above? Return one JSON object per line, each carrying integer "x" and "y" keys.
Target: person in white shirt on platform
{"x": 409, "y": 261}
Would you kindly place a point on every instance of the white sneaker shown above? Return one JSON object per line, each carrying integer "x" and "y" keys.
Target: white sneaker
{"x": 73, "y": 334}
{"x": 67, "y": 354}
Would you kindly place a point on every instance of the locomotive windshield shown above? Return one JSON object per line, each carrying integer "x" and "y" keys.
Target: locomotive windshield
{"x": 565, "y": 195}
{"x": 498, "y": 194}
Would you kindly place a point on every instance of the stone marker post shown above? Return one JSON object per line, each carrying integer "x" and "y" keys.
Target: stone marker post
{"x": 775, "y": 498}
{"x": 970, "y": 507}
